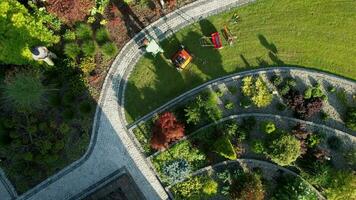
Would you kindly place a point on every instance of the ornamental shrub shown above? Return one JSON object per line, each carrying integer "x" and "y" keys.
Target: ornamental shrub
{"x": 230, "y": 129}
{"x": 24, "y": 91}
{"x": 290, "y": 187}
{"x": 308, "y": 93}
{"x": 210, "y": 187}
{"x": 258, "y": 146}
{"x": 350, "y": 119}
{"x": 192, "y": 114}
{"x": 166, "y": 129}
{"x": 109, "y": 49}
{"x": 224, "y": 148}
{"x": 229, "y": 105}
{"x": 257, "y": 90}
{"x": 284, "y": 149}
{"x": 291, "y": 82}
{"x": 284, "y": 89}
{"x": 87, "y": 65}
{"x": 21, "y": 31}
{"x": 189, "y": 189}
{"x": 102, "y": 35}
{"x": 268, "y": 127}
{"x": 176, "y": 170}
{"x": 276, "y": 80}
{"x": 247, "y": 186}
{"x": 72, "y": 50}
{"x": 83, "y": 31}
{"x": 88, "y": 48}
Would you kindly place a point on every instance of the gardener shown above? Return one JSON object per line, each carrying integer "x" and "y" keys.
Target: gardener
{"x": 43, "y": 54}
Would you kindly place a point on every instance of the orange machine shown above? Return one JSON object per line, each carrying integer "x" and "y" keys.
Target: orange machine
{"x": 181, "y": 58}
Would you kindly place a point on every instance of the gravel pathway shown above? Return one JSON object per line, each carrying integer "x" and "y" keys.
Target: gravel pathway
{"x": 110, "y": 147}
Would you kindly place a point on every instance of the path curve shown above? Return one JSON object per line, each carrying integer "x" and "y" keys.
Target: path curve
{"x": 252, "y": 163}
{"x": 111, "y": 151}
{"x": 239, "y": 75}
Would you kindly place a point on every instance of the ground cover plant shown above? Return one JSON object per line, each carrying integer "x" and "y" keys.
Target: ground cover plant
{"x": 263, "y": 40}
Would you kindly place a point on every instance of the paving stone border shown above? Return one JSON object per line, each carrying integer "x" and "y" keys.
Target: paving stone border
{"x": 250, "y": 163}
{"x": 109, "y": 141}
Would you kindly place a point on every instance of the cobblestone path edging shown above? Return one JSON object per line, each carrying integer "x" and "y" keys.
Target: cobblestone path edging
{"x": 110, "y": 147}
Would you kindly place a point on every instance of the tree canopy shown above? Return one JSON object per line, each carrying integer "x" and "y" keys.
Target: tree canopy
{"x": 19, "y": 31}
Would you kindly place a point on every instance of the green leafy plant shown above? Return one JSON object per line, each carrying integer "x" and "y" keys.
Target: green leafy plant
{"x": 72, "y": 50}
{"x": 246, "y": 186}
{"x": 258, "y": 146}
{"x": 268, "y": 127}
{"x": 210, "y": 187}
{"x": 88, "y": 48}
{"x": 83, "y": 31}
{"x": 290, "y": 187}
{"x": 276, "y": 80}
{"x": 284, "y": 149}
{"x": 109, "y": 49}
{"x": 69, "y": 35}
{"x": 257, "y": 90}
{"x": 24, "y": 91}
{"x": 102, "y": 35}
{"x": 229, "y": 105}
{"x": 224, "y": 148}
{"x": 194, "y": 188}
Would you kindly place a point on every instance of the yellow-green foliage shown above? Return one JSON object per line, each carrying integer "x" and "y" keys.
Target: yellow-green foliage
{"x": 224, "y": 148}
{"x": 210, "y": 187}
{"x": 19, "y": 31}
{"x": 284, "y": 150}
{"x": 195, "y": 188}
{"x": 257, "y": 90}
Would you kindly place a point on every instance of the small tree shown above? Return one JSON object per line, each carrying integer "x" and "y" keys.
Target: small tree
{"x": 167, "y": 129}
{"x": 24, "y": 92}
{"x": 284, "y": 149}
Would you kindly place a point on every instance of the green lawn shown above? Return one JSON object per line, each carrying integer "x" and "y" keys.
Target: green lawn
{"x": 315, "y": 34}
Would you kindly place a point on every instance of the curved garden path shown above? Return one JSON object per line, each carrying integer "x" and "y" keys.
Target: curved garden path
{"x": 267, "y": 167}
{"x": 351, "y": 85}
{"x": 111, "y": 151}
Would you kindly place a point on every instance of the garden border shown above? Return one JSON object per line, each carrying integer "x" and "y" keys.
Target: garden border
{"x": 321, "y": 126}
{"x": 232, "y": 77}
{"x": 245, "y": 161}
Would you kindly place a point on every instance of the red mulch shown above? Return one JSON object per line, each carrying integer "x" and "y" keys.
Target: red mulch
{"x": 70, "y": 11}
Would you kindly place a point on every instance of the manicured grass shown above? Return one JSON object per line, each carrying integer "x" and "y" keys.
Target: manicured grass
{"x": 315, "y": 34}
